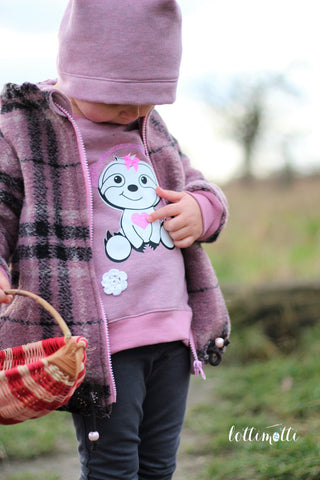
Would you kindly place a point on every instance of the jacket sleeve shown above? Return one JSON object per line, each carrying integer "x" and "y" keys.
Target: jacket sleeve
{"x": 196, "y": 183}
{"x": 11, "y": 198}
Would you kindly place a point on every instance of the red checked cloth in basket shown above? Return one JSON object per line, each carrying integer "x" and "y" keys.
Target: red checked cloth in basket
{"x": 40, "y": 377}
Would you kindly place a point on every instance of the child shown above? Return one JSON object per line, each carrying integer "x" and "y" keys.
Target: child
{"x": 102, "y": 215}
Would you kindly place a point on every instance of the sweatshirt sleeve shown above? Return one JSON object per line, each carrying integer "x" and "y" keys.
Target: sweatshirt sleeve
{"x": 211, "y": 211}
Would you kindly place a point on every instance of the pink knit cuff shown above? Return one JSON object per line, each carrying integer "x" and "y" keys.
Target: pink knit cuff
{"x": 211, "y": 210}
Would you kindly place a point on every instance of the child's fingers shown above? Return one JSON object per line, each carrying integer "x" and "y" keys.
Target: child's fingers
{"x": 180, "y": 234}
{"x": 184, "y": 243}
{"x": 174, "y": 224}
{"x": 5, "y": 298}
{"x": 4, "y": 285}
{"x": 168, "y": 210}
{"x": 170, "y": 195}
{"x": 163, "y": 212}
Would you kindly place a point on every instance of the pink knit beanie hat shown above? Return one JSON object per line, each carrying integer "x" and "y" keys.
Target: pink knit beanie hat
{"x": 120, "y": 51}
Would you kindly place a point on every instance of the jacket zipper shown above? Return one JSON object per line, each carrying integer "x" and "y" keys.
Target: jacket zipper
{"x": 89, "y": 201}
{"x": 197, "y": 364}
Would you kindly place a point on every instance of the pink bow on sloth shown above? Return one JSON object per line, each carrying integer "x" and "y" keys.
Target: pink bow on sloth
{"x": 132, "y": 162}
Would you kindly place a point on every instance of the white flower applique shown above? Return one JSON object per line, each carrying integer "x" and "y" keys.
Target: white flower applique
{"x": 114, "y": 282}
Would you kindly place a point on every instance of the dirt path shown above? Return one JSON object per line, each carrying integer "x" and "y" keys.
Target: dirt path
{"x": 66, "y": 464}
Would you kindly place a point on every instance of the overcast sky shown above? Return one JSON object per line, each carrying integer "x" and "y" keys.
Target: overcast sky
{"x": 221, "y": 38}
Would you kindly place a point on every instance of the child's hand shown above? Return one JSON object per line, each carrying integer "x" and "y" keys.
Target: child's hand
{"x": 4, "y": 285}
{"x": 184, "y": 218}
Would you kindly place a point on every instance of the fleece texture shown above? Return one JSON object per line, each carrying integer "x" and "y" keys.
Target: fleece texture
{"x": 45, "y": 236}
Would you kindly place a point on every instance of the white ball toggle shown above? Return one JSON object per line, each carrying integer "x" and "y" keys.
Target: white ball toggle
{"x": 219, "y": 342}
{"x": 93, "y": 436}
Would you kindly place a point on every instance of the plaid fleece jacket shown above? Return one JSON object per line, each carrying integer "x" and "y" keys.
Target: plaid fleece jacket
{"x": 45, "y": 237}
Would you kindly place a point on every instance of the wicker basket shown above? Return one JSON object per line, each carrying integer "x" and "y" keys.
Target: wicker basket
{"x": 40, "y": 377}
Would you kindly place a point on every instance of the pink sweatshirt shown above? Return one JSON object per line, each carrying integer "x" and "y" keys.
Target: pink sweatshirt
{"x": 139, "y": 270}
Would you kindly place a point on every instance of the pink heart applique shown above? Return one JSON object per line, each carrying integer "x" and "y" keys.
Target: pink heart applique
{"x": 140, "y": 219}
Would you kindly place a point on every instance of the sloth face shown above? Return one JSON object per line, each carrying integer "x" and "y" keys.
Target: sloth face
{"x": 124, "y": 184}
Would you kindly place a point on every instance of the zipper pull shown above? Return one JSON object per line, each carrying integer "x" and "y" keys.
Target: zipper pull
{"x": 197, "y": 367}
{"x": 197, "y": 364}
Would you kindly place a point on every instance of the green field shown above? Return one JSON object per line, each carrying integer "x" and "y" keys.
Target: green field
{"x": 273, "y": 233}
{"x": 283, "y": 390}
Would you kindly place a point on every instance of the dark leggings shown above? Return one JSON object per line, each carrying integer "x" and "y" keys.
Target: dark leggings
{"x": 141, "y": 438}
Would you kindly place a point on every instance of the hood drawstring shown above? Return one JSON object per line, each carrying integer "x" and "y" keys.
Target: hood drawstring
{"x": 93, "y": 435}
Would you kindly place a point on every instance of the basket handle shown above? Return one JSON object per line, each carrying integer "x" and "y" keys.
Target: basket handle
{"x": 46, "y": 305}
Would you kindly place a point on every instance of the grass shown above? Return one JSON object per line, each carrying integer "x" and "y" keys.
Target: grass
{"x": 285, "y": 390}
{"x": 273, "y": 233}
{"x": 32, "y": 476}
{"x": 37, "y": 437}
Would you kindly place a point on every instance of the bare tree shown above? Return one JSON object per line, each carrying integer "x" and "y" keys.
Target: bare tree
{"x": 246, "y": 107}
